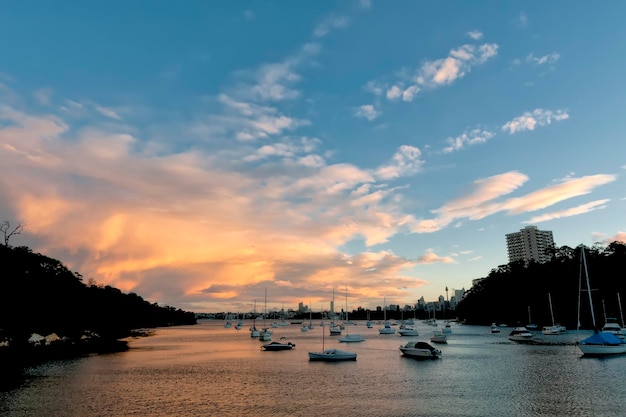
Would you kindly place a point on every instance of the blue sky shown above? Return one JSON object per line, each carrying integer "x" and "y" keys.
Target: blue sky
{"x": 198, "y": 153}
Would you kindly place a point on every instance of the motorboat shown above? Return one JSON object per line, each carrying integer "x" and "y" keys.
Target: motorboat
{"x": 332, "y": 355}
{"x": 279, "y": 345}
{"x": 551, "y": 330}
{"x": 447, "y": 328}
{"x": 521, "y": 335}
{"x": 304, "y": 328}
{"x": 494, "y": 328}
{"x": 352, "y": 338}
{"x": 408, "y": 331}
{"x": 420, "y": 350}
{"x": 439, "y": 336}
{"x": 386, "y": 329}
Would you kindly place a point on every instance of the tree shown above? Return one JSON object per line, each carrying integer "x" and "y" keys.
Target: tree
{"x": 5, "y": 228}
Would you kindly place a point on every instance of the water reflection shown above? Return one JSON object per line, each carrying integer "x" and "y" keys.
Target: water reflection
{"x": 207, "y": 370}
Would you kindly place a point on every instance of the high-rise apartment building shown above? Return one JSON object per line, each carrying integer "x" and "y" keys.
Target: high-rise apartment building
{"x": 529, "y": 244}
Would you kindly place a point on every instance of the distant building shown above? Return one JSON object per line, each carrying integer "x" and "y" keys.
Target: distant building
{"x": 530, "y": 244}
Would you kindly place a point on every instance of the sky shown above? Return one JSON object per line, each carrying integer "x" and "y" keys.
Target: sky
{"x": 203, "y": 154}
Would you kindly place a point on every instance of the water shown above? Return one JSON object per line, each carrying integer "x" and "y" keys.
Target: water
{"x": 206, "y": 370}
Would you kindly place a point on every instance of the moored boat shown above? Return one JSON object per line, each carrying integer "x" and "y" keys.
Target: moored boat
{"x": 352, "y": 338}
{"x": 332, "y": 355}
{"x": 420, "y": 350}
{"x": 279, "y": 345}
{"x": 600, "y": 343}
{"x": 439, "y": 336}
{"x": 520, "y": 335}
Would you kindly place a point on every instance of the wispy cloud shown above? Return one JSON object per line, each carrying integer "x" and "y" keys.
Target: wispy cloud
{"x": 468, "y": 138}
{"x": 483, "y": 201}
{"x": 475, "y": 34}
{"x": 531, "y": 120}
{"x": 444, "y": 71}
{"x": 330, "y": 23}
{"x": 522, "y": 20}
{"x": 367, "y": 111}
{"x": 544, "y": 59}
{"x": 406, "y": 161}
{"x": 110, "y": 113}
{"x": 275, "y": 81}
{"x": 573, "y": 211}
{"x": 430, "y": 257}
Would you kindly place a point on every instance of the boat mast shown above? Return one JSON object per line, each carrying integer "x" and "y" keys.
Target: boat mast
{"x": 584, "y": 265}
{"x": 551, "y": 312}
{"x": 619, "y": 302}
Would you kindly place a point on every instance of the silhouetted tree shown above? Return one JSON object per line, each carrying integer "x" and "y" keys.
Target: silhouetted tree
{"x": 5, "y": 228}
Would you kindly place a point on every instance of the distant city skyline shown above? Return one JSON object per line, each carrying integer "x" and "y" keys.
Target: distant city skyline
{"x": 205, "y": 154}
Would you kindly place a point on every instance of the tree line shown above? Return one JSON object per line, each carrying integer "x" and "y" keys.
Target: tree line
{"x": 518, "y": 292}
{"x": 39, "y": 294}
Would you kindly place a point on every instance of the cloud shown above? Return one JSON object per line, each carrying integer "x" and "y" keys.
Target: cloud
{"x": 522, "y": 20}
{"x": 367, "y": 111}
{"x": 483, "y": 201}
{"x": 431, "y": 257}
{"x": 542, "y": 60}
{"x": 436, "y": 73}
{"x": 278, "y": 217}
{"x": 111, "y": 114}
{"x": 330, "y": 23}
{"x": 275, "y": 81}
{"x": 468, "y": 138}
{"x": 475, "y": 34}
{"x": 573, "y": 211}
{"x": 251, "y": 121}
{"x": 530, "y": 120}
{"x": 249, "y": 15}
{"x": 406, "y": 161}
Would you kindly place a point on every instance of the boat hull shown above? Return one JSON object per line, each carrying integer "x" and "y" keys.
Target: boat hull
{"x": 332, "y": 355}
{"x": 352, "y": 338}
{"x": 602, "y": 350}
{"x": 278, "y": 346}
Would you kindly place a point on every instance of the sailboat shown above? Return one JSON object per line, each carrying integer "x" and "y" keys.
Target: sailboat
{"x": 610, "y": 323}
{"x": 600, "y": 343}
{"x": 266, "y": 334}
{"x": 554, "y": 329}
{"x": 335, "y": 330}
{"x": 254, "y": 332}
{"x": 530, "y": 325}
{"x": 386, "y": 329}
{"x": 331, "y": 355}
{"x": 311, "y": 326}
{"x": 355, "y": 337}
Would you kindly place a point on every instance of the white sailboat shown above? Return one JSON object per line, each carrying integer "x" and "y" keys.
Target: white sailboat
{"x": 600, "y": 343}
{"x": 554, "y": 329}
{"x": 610, "y": 323}
{"x": 386, "y": 329}
{"x": 311, "y": 326}
{"x": 331, "y": 355}
{"x": 355, "y": 337}
{"x": 266, "y": 334}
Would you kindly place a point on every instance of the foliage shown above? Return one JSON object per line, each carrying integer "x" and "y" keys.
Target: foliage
{"x": 39, "y": 294}
{"x": 507, "y": 293}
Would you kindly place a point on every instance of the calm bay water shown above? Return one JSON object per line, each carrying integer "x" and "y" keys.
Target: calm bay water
{"x": 207, "y": 370}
